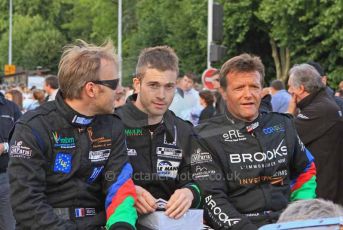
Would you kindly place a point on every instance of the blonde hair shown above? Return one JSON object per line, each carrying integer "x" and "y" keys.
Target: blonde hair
{"x": 80, "y": 64}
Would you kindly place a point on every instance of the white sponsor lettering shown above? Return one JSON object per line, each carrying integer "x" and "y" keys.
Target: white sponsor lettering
{"x": 169, "y": 152}
{"x": 131, "y": 152}
{"x": 302, "y": 116}
{"x": 18, "y": 150}
{"x": 234, "y": 136}
{"x": 201, "y": 172}
{"x": 258, "y": 157}
{"x": 223, "y": 217}
{"x": 99, "y": 155}
{"x": 302, "y": 146}
{"x": 200, "y": 157}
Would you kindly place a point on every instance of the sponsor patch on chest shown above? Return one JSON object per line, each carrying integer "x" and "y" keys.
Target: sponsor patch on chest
{"x": 169, "y": 152}
{"x": 99, "y": 155}
{"x": 166, "y": 168}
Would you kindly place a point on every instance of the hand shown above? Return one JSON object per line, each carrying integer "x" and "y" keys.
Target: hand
{"x": 2, "y": 148}
{"x": 179, "y": 203}
{"x": 292, "y": 106}
{"x": 146, "y": 203}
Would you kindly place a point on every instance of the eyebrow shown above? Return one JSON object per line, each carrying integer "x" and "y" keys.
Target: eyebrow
{"x": 156, "y": 82}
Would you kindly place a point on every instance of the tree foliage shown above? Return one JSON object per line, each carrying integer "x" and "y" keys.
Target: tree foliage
{"x": 282, "y": 33}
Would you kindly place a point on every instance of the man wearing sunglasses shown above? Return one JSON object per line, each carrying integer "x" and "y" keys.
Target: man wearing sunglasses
{"x": 68, "y": 162}
{"x": 157, "y": 140}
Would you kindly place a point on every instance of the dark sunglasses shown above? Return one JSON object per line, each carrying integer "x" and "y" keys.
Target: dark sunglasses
{"x": 112, "y": 84}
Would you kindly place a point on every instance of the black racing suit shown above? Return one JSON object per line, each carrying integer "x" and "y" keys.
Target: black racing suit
{"x": 248, "y": 172}
{"x": 161, "y": 159}
{"x": 60, "y": 159}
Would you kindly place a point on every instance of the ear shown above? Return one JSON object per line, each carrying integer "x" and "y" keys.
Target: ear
{"x": 90, "y": 89}
{"x": 136, "y": 84}
{"x": 324, "y": 80}
{"x": 223, "y": 93}
{"x": 301, "y": 89}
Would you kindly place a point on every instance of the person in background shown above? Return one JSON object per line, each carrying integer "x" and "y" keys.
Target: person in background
{"x": 219, "y": 102}
{"x": 310, "y": 209}
{"x": 280, "y": 97}
{"x": 121, "y": 97}
{"x": 51, "y": 87}
{"x": 158, "y": 142}
{"x": 38, "y": 99}
{"x": 339, "y": 92}
{"x": 16, "y": 96}
{"x": 188, "y": 105}
{"x": 320, "y": 127}
{"x": 249, "y": 164}
{"x": 206, "y": 100}
{"x": 329, "y": 91}
{"x": 9, "y": 114}
{"x": 68, "y": 162}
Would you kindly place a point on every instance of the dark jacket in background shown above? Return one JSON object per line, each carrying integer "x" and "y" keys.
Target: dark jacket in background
{"x": 206, "y": 113}
{"x": 9, "y": 113}
{"x": 319, "y": 125}
{"x": 338, "y": 100}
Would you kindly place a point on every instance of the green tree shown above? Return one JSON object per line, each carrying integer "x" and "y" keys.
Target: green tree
{"x": 35, "y": 42}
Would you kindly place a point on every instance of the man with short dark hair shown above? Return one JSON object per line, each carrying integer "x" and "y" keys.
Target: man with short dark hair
{"x": 51, "y": 87}
{"x": 249, "y": 164}
{"x": 280, "y": 97}
{"x": 68, "y": 161}
{"x": 187, "y": 106}
{"x": 158, "y": 142}
{"x": 320, "y": 126}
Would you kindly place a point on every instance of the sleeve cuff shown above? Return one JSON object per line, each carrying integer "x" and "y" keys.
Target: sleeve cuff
{"x": 196, "y": 195}
{"x": 122, "y": 226}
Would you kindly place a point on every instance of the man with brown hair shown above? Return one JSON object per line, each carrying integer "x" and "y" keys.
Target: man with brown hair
{"x": 157, "y": 140}
{"x": 51, "y": 87}
{"x": 187, "y": 105}
{"x": 249, "y": 163}
{"x": 68, "y": 162}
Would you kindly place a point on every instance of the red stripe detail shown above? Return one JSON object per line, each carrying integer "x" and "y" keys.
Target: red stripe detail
{"x": 304, "y": 177}
{"x": 127, "y": 189}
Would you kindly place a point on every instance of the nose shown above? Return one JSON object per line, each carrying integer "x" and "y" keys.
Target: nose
{"x": 247, "y": 92}
{"x": 161, "y": 93}
{"x": 118, "y": 91}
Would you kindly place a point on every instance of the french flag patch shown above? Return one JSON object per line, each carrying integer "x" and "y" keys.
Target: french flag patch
{"x": 80, "y": 212}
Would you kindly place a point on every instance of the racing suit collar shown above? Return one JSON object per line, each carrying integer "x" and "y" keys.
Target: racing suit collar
{"x": 137, "y": 118}
{"x": 249, "y": 126}
{"x": 75, "y": 118}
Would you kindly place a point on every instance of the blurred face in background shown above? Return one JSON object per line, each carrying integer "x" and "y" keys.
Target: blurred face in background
{"x": 186, "y": 83}
{"x": 216, "y": 81}
{"x": 9, "y": 96}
